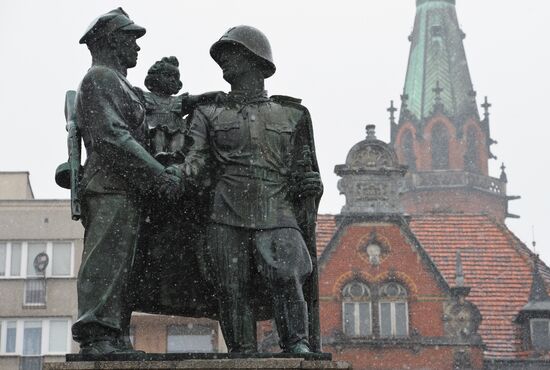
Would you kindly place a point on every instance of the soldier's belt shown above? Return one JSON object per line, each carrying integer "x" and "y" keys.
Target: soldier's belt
{"x": 257, "y": 173}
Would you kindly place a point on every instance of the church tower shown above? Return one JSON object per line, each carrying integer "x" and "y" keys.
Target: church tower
{"x": 440, "y": 135}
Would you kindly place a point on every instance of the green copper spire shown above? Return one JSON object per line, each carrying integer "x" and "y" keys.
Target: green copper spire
{"x": 438, "y": 72}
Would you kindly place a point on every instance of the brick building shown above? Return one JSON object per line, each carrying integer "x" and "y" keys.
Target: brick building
{"x": 448, "y": 249}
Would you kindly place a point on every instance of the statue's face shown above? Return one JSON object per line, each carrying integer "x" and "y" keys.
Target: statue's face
{"x": 235, "y": 63}
{"x": 169, "y": 81}
{"x": 126, "y": 48}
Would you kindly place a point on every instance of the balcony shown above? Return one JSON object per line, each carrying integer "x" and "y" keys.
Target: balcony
{"x": 454, "y": 179}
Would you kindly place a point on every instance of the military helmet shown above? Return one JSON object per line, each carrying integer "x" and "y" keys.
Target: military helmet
{"x": 105, "y": 24}
{"x": 252, "y": 40}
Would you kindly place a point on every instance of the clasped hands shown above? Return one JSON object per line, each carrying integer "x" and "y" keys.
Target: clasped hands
{"x": 170, "y": 183}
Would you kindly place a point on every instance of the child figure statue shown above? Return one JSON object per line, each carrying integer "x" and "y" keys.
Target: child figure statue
{"x": 165, "y": 112}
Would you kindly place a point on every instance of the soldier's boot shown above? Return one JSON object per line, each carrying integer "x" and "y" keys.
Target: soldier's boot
{"x": 292, "y": 323}
{"x": 238, "y": 326}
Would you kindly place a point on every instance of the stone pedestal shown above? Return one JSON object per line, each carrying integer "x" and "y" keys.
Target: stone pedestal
{"x": 197, "y": 361}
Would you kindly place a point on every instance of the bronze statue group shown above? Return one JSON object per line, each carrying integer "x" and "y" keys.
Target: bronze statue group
{"x": 194, "y": 205}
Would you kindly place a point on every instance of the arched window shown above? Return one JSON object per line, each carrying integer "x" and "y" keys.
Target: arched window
{"x": 356, "y": 310}
{"x": 393, "y": 311}
{"x": 408, "y": 150}
{"x": 440, "y": 147}
{"x": 471, "y": 158}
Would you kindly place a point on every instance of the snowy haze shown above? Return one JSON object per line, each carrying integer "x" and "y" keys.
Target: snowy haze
{"x": 345, "y": 59}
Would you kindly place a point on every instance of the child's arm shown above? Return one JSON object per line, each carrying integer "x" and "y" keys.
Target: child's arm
{"x": 190, "y": 102}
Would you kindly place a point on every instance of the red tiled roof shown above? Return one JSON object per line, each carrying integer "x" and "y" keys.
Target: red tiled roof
{"x": 326, "y": 227}
{"x": 497, "y": 266}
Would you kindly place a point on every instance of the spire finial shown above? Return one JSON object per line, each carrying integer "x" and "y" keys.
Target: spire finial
{"x": 371, "y": 132}
{"x": 392, "y": 111}
{"x": 534, "y": 242}
{"x": 503, "y": 176}
{"x": 486, "y": 105}
{"x": 459, "y": 271}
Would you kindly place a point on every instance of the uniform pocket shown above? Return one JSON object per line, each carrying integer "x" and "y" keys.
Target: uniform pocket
{"x": 227, "y": 135}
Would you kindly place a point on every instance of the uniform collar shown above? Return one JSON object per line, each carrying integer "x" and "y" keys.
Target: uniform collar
{"x": 245, "y": 97}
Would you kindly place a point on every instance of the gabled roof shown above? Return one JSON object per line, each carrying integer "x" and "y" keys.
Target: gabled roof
{"x": 496, "y": 266}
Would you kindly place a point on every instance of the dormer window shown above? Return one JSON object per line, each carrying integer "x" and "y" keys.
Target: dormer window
{"x": 540, "y": 334}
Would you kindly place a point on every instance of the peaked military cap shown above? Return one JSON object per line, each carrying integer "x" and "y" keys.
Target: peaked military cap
{"x": 116, "y": 19}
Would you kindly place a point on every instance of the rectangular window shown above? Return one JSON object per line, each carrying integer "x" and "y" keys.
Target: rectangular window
{"x": 349, "y": 318}
{"x": 58, "y": 336}
{"x": 385, "y": 319}
{"x": 33, "y": 250}
{"x": 401, "y": 320}
{"x": 11, "y": 336}
{"x": 32, "y": 338}
{"x": 365, "y": 319}
{"x": 61, "y": 259}
{"x": 15, "y": 259}
{"x": 192, "y": 338}
{"x": 357, "y": 319}
{"x": 36, "y": 337}
{"x": 3, "y": 257}
{"x": 394, "y": 321}
{"x": 540, "y": 334}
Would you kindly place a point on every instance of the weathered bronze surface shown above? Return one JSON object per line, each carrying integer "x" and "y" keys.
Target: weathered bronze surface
{"x": 226, "y": 230}
{"x": 119, "y": 172}
{"x": 250, "y": 149}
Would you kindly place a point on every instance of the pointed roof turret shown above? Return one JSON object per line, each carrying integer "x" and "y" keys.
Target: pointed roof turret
{"x": 437, "y": 56}
{"x": 539, "y": 300}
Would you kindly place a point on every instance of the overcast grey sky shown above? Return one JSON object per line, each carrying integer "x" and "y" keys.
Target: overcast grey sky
{"x": 345, "y": 59}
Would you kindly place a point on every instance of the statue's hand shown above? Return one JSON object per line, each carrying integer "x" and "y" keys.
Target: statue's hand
{"x": 212, "y": 97}
{"x": 307, "y": 185}
{"x": 170, "y": 184}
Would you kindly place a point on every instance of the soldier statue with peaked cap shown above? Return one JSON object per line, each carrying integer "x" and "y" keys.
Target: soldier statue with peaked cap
{"x": 118, "y": 172}
{"x": 250, "y": 148}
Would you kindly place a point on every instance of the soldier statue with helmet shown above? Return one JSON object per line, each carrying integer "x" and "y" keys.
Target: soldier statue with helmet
{"x": 250, "y": 163}
{"x": 257, "y": 152}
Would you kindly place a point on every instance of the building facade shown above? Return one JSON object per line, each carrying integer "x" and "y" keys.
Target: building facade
{"x": 456, "y": 215}
{"x": 40, "y": 251}
{"x": 40, "y": 254}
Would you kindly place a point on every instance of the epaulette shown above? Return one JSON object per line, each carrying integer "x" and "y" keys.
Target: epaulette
{"x": 282, "y": 99}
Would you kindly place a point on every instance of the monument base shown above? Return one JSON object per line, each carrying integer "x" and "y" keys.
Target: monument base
{"x": 154, "y": 361}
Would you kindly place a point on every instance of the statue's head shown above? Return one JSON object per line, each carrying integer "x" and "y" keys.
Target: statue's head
{"x": 163, "y": 77}
{"x": 241, "y": 49}
{"x": 114, "y": 35}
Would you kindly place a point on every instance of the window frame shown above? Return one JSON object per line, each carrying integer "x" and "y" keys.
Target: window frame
{"x": 23, "y": 273}
{"x": 44, "y": 339}
{"x": 356, "y": 317}
{"x": 356, "y": 301}
{"x": 393, "y": 317}
{"x": 531, "y": 331}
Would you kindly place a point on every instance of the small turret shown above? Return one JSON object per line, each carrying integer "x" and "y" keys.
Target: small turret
{"x": 371, "y": 177}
